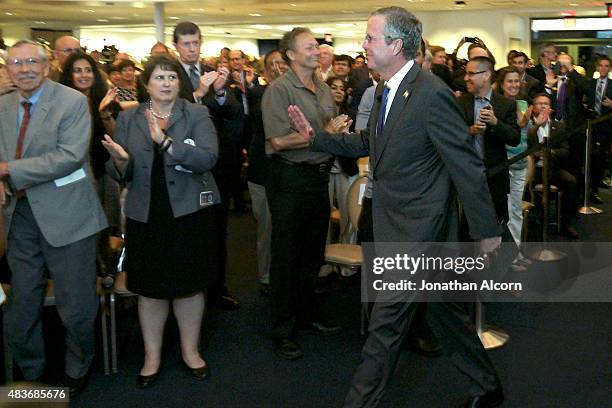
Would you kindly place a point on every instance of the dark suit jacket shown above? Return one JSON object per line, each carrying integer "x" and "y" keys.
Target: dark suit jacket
{"x": 591, "y": 88}
{"x": 228, "y": 120}
{"x": 194, "y": 149}
{"x": 538, "y": 73}
{"x": 560, "y": 149}
{"x": 506, "y": 132}
{"x": 575, "y": 113}
{"x": 419, "y": 163}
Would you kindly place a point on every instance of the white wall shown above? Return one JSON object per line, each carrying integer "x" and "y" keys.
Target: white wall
{"x": 14, "y": 33}
{"x": 495, "y": 28}
{"x": 500, "y": 31}
{"x": 138, "y": 45}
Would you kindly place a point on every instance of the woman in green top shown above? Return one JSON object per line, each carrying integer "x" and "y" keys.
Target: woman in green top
{"x": 509, "y": 85}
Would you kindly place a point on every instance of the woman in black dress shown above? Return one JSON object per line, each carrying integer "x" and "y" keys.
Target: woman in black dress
{"x": 164, "y": 150}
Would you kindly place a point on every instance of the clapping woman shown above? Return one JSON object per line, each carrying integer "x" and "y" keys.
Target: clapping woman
{"x": 164, "y": 150}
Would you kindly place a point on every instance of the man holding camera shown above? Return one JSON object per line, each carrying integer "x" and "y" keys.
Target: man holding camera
{"x": 492, "y": 123}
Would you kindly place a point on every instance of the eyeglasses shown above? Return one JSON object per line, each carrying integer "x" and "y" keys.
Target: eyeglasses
{"x": 369, "y": 39}
{"x": 70, "y": 50}
{"x": 471, "y": 74}
{"x": 30, "y": 62}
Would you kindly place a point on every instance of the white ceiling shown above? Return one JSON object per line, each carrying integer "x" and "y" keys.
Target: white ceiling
{"x": 253, "y": 18}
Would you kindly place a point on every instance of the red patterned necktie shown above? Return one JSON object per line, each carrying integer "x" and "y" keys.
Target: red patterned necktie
{"x": 23, "y": 128}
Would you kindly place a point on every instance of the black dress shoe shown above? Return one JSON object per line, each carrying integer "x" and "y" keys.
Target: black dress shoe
{"x": 225, "y": 302}
{"x": 595, "y": 199}
{"x": 489, "y": 400}
{"x": 199, "y": 373}
{"x": 319, "y": 328}
{"x": 146, "y": 381}
{"x": 288, "y": 349}
{"x": 571, "y": 232}
{"x": 76, "y": 385}
{"x": 424, "y": 347}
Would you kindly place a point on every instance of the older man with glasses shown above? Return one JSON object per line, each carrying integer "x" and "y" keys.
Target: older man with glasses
{"x": 52, "y": 215}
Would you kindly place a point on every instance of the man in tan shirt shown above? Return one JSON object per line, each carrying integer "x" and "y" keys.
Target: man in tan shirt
{"x": 297, "y": 192}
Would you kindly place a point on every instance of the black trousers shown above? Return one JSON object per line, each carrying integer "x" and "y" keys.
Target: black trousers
{"x": 391, "y": 322}
{"x": 299, "y": 206}
{"x": 566, "y": 181}
{"x": 383, "y": 346}
{"x": 419, "y": 327}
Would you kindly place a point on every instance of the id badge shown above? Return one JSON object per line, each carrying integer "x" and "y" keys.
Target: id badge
{"x": 206, "y": 198}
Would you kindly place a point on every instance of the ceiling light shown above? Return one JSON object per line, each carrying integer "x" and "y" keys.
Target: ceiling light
{"x": 118, "y": 18}
{"x": 261, "y": 26}
{"x": 197, "y": 9}
{"x": 285, "y": 27}
{"x": 293, "y": 4}
{"x": 101, "y": 20}
{"x": 347, "y": 11}
{"x": 40, "y": 22}
{"x": 174, "y": 18}
{"x": 322, "y": 30}
{"x": 255, "y": 15}
{"x": 9, "y": 14}
{"x": 346, "y": 25}
{"x": 91, "y": 11}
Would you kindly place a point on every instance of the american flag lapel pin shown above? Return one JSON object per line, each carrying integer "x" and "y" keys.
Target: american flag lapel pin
{"x": 406, "y": 93}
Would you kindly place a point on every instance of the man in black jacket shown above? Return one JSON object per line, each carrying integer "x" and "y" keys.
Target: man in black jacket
{"x": 542, "y": 126}
{"x": 200, "y": 85}
{"x": 493, "y": 124}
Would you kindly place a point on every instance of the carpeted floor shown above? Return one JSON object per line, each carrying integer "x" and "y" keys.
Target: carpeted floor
{"x": 559, "y": 355}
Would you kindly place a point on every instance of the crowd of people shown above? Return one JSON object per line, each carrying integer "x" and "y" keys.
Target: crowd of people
{"x": 174, "y": 134}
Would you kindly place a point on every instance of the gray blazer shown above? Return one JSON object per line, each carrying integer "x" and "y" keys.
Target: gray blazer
{"x": 419, "y": 163}
{"x": 54, "y": 170}
{"x": 194, "y": 153}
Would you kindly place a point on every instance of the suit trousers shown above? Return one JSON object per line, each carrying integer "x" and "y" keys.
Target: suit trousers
{"x": 299, "y": 205}
{"x": 387, "y": 329}
{"x": 73, "y": 270}
{"x": 261, "y": 212}
{"x": 419, "y": 328}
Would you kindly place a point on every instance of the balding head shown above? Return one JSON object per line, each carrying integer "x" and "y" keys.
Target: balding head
{"x": 64, "y": 46}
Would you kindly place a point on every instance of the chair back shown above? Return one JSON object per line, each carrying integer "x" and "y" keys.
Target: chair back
{"x": 353, "y": 200}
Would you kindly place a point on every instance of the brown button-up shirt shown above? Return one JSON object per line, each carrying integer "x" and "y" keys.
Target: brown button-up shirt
{"x": 318, "y": 107}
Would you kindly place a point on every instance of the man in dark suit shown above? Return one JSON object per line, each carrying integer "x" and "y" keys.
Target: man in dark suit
{"x": 243, "y": 82}
{"x": 491, "y": 119}
{"x": 568, "y": 93}
{"x": 51, "y": 221}
{"x": 542, "y": 126}
{"x": 547, "y": 55}
{"x": 420, "y": 157}
{"x": 599, "y": 101}
{"x": 200, "y": 85}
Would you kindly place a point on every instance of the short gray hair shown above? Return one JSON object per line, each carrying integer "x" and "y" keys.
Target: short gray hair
{"x": 402, "y": 25}
{"x": 42, "y": 54}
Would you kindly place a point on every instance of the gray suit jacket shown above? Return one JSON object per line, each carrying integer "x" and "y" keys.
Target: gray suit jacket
{"x": 54, "y": 169}
{"x": 419, "y": 163}
{"x": 188, "y": 177}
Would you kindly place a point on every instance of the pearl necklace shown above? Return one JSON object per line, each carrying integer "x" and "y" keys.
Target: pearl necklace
{"x": 157, "y": 115}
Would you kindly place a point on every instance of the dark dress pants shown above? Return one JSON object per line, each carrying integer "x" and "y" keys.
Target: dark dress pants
{"x": 383, "y": 346}
{"x": 565, "y": 181}
{"x": 299, "y": 206}
{"x": 73, "y": 270}
{"x": 419, "y": 327}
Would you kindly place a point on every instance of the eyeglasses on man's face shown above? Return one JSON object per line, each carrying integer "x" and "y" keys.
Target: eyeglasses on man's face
{"x": 18, "y": 63}
{"x": 471, "y": 73}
